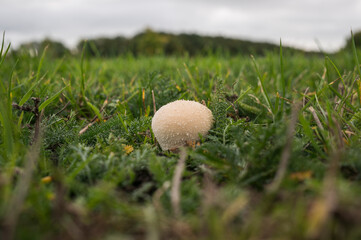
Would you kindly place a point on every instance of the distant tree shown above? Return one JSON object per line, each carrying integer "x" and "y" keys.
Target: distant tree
{"x": 173, "y": 46}
{"x": 30, "y": 47}
{"x": 106, "y": 47}
{"x": 55, "y": 49}
{"x": 149, "y": 42}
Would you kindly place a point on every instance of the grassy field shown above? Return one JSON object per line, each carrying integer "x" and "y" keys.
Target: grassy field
{"x": 78, "y": 158}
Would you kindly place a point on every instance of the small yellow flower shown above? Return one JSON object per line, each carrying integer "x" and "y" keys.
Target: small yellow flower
{"x": 300, "y": 176}
{"x": 178, "y": 87}
{"x": 193, "y": 144}
{"x": 50, "y": 196}
{"x": 46, "y": 179}
{"x": 128, "y": 149}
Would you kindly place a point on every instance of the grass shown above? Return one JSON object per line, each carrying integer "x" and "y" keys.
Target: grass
{"x": 78, "y": 159}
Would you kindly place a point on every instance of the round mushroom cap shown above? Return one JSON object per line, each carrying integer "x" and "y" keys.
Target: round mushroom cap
{"x": 179, "y": 122}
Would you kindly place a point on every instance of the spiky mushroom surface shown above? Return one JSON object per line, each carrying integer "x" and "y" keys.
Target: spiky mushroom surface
{"x": 179, "y": 122}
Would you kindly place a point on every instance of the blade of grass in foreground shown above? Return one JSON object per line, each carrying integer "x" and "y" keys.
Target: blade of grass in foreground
{"x": 264, "y": 91}
{"x": 347, "y": 94}
{"x": 9, "y": 96}
{"x": 95, "y": 110}
{"x": 6, "y": 122}
{"x": 6, "y": 111}
{"x": 357, "y": 66}
{"x": 82, "y": 86}
{"x": 2, "y": 57}
{"x": 37, "y": 80}
{"x": 308, "y": 132}
{"x": 47, "y": 102}
{"x": 283, "y": 82}
{"x": 194, "y": 83}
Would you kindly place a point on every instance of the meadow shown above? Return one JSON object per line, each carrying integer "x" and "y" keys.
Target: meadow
{"x": 78, "y": 158}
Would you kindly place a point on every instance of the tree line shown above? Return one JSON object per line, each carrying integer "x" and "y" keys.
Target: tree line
{"x": 149, "y": 42}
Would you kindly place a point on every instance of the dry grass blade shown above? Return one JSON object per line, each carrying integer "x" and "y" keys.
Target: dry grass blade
{"x": 154, "y": 107}
{"x": 16, "y": 202}
{"x": 176, "y": 182}
{"x": 286, "y": 153}
{"x": 143, "y": 101}
{"x": 209, "y": 191}
{"x": 83, "y": 130}
{"x": 61, "y": 110}
{"x": 322, "y": 207}
{"x": 234, "y": 208}
{"x": 157, "y": 195}
{"x": 304, "y": 100}
{"x": 317, "y": 120}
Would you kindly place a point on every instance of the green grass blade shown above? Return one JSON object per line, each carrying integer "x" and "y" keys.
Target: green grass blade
{"x": 283, "y": 81}
{"x": 343, "y": 99}
{"x": 37, "y": 80}
{"x": 357, "y": 65}
{"x": 261, "y": 79}
{"x": 2, "y": 44}
{"x": 20, "y": 120}
{"x": 194, "y": 83}
{"x": 95, "y": 110}
{"x": 47, "y": 102}
{"x": 241, "y": 95}
{"x": 123, "y": 123}
{"x": 2, "y": 59}
{"x": 8, "y": 134}
{"x": 10, "y": 87}
{"x": 82, "y": 83}
{"x": 309, "y": 133}
{"x": 4, "y": 56}
{"x": 41, "y": 63}
{"x": 337, "y": 71}
{"x": 78, "y": 169}
{"x": 28, "y": 94}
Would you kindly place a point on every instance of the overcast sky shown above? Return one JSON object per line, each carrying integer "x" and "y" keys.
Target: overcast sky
{"x": 297, "y": 22}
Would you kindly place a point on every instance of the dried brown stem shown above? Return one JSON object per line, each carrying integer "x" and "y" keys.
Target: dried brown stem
{"x": 86, "y": 128}
{"x": 83, "y": 130}
{"x": 154, "y": 107}
{"x": 61, "y": 110}
{"x": 286, "y": 153}
{"x": 38, "y": 115}
{"x": 317, "y": 120}
{"x": 176, "y": 182}
{"x": 22, "y": 108}
{"x": 235, "y": 110}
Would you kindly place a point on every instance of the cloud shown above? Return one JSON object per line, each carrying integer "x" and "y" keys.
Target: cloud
{"x": 298, "y": 23}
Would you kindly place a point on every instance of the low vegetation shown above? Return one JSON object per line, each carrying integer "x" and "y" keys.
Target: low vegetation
{"x": 78, "y": 158}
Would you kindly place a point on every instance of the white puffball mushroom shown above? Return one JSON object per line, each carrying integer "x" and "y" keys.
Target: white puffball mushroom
{"x": 179, "y": 122}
